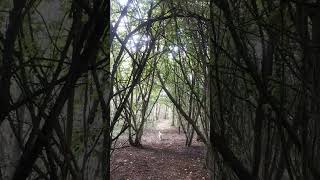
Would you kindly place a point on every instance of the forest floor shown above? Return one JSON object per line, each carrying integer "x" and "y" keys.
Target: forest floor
{"x": 167, "y": 159}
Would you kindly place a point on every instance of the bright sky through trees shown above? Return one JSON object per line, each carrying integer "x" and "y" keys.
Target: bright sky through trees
{"x": 123, "y": 2}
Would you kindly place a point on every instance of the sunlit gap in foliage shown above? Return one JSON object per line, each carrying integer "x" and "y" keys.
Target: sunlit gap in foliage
{"x": 122, "y": 2}
{"x": 137, "y": 42}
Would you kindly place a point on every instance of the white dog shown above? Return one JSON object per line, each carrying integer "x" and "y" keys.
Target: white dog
{"x": 160, "y": 136}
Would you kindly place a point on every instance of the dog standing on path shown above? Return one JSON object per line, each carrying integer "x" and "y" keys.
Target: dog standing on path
{"x": 160, "y": 136}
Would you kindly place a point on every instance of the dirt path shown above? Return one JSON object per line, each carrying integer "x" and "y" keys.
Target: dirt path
{"x": 166, "y": 159}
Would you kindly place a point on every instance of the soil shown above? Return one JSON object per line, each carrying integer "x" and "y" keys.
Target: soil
{"x": 168, "y": 158}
